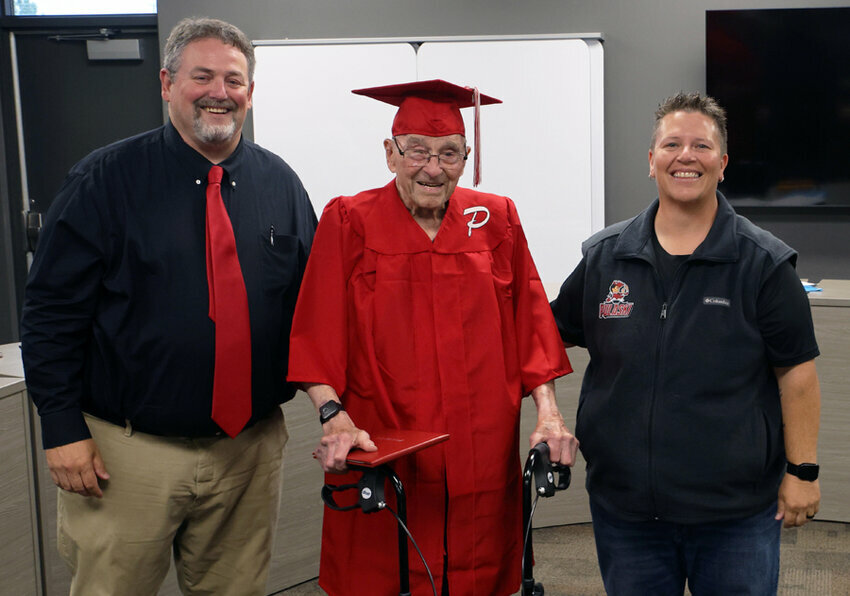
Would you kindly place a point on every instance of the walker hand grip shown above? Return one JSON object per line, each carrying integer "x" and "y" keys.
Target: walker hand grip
{"x": 544, "y": 472}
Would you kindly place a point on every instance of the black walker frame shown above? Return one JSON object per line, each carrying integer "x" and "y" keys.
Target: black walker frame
{"x": 539, "y": 468}
{"x": 371, "y": 499}
{"x": 370, "y": 489}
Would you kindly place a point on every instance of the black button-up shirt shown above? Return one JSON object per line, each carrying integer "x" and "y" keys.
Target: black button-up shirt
{"x": 115, "y": 320}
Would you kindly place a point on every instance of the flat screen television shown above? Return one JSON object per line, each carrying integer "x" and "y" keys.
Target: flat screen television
{"x": 783, "y": 76}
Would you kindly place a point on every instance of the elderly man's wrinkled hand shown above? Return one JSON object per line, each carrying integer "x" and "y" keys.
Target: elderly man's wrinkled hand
{"x": 552, "y": 431}
{"x": 341, "y": 436}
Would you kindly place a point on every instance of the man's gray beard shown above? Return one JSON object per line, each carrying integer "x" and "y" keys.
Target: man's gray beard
{"x": 209, "y": 133}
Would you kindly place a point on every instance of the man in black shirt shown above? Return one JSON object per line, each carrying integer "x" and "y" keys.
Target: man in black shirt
{"x": 144, "y": 350}
{"x": 701, "y": 388}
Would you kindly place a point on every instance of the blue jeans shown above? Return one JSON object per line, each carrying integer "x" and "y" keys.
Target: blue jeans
{"x": 655, "y": 558}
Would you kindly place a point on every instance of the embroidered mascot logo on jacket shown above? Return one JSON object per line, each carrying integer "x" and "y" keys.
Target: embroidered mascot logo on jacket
{"x": 615, "y": 305}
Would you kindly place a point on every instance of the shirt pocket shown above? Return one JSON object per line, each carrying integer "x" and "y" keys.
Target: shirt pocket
{"x": 282, "y": 263}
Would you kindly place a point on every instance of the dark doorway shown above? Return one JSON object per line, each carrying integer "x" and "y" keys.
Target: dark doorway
{"x": 68, "y": 105}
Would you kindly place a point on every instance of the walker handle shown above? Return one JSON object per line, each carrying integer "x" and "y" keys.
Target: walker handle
{"x": 544, "y": 471}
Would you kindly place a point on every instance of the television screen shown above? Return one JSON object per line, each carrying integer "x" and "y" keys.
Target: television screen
{"x": 783, "y": 76}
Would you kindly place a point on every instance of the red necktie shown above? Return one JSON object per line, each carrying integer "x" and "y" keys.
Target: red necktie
{"x": 231, "y": 403}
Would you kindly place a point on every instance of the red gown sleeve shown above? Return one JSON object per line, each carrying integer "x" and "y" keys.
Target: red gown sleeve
{"x": 318, "y": 349}
{"x": 541, "y": 352}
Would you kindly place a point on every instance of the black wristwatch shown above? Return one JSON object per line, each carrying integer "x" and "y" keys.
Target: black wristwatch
{"x": 329, "y": 409}
{"x": 807, "y": 472}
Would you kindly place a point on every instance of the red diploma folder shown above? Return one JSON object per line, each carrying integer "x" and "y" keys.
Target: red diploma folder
{"x": 392, "y": 444}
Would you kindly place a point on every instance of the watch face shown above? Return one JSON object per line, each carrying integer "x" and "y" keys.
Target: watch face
{"x": 807, "y": 472}
{"x": 328, "y": 410}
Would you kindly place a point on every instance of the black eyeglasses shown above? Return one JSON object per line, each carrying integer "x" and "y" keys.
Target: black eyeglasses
{"x": 419, "y": 157}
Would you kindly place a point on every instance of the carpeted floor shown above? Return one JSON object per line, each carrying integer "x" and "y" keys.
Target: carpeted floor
{"x": 815, "y": 562}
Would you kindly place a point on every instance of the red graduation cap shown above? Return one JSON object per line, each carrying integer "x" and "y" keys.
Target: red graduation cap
{"x": 432, "y": 109}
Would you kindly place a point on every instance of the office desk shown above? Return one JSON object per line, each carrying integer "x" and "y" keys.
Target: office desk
{"x": 19, "y": 553}
{"x": 831, "y": 314}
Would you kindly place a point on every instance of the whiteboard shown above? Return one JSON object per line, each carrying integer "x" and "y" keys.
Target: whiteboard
{"x": 542, "y": 147}
{"x": 536, "y": 145}
{"x": 304, "y": 111}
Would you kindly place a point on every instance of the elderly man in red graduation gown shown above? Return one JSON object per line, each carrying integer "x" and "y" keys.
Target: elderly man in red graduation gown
{"x": 421, "y": 308}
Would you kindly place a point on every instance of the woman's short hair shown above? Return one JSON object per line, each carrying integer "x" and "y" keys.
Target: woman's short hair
{"x": 692, "y": 102}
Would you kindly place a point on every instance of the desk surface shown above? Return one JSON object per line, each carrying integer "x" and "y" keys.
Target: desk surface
{"x": 836, "y": 292}
{"x": 10, "y": 360}
{"x": 11, "y": 370}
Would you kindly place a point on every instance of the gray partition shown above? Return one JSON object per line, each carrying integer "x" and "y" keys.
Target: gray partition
{"x": 831, "y": 314}
{"x": 19, "y": 564}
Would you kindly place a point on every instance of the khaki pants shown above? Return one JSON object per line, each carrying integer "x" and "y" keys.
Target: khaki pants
{"x": 212, "y": 502}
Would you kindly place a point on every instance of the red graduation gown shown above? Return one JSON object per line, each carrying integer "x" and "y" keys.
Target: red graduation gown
{"x": 445, "y": 336}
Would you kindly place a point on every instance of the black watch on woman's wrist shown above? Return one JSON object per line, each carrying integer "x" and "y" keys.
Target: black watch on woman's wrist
{"x": 329, "y": 409}
{"x": 807, "y": 472}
